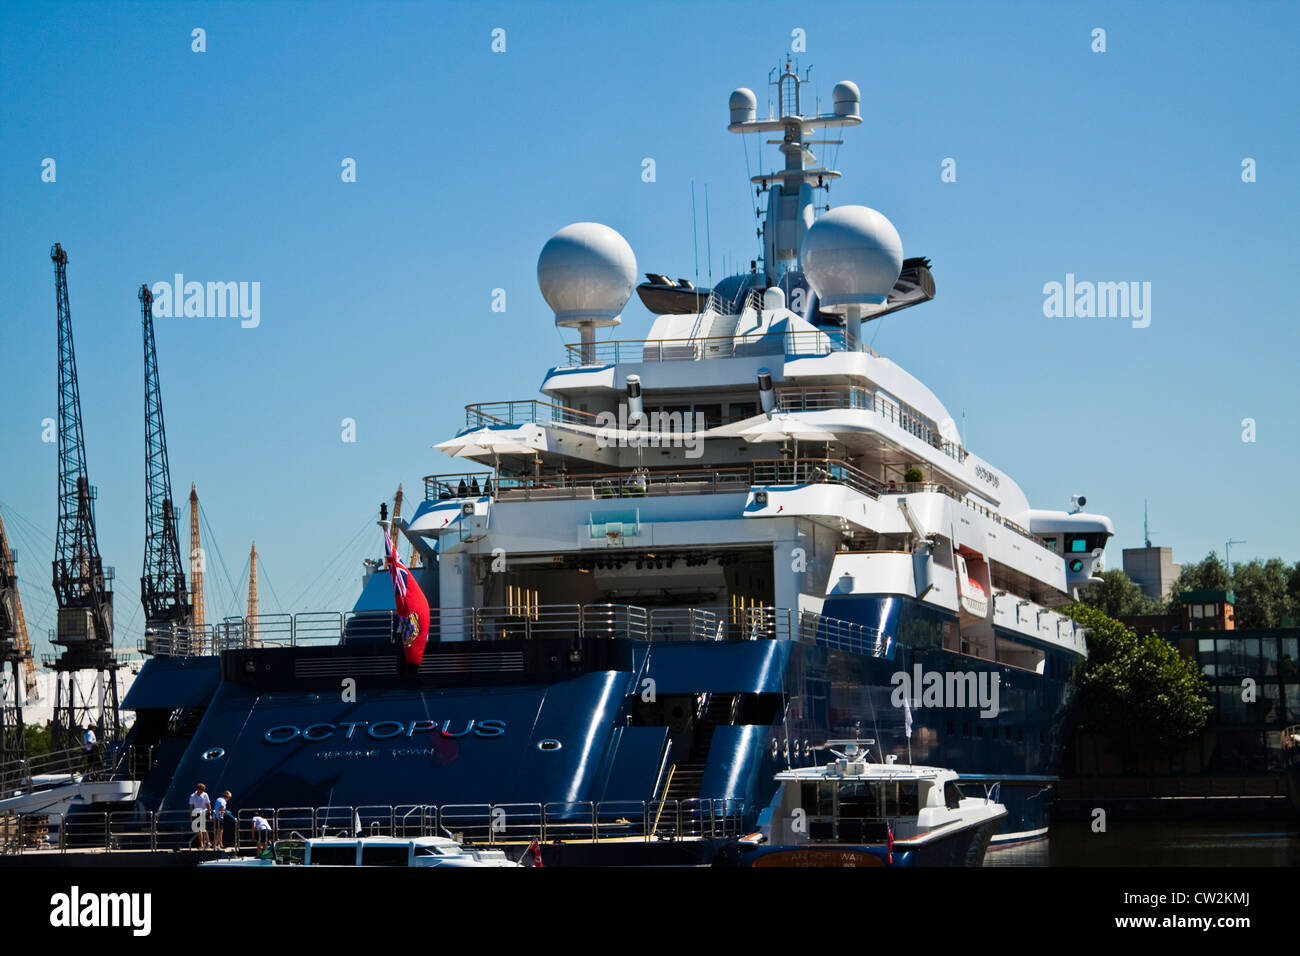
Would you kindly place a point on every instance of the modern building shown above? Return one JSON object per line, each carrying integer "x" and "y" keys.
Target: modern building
{"x": 1153, "y": 570}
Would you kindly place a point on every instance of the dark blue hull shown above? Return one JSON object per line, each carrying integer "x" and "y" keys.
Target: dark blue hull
{"x": 566, "y": 721}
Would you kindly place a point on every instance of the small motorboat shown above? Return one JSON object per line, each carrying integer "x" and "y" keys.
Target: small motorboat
{"x": 852, "y": 813}
{"x": 370, "y": 851}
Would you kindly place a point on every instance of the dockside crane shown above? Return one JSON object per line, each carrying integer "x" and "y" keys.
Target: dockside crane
{"x": 162, "y": 583}
{"x": 250, "y": 629}
{"x": 197, "y": 564}
{"x": 15, "y": 656}
{"x": 83, "y": 587}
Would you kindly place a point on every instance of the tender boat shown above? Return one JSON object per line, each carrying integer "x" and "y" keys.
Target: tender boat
{"x": 852, "y": 812}
{"x": 371, "y": 851}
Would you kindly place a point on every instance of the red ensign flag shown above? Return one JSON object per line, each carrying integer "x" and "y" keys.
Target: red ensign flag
{"x": 412, "y": 607}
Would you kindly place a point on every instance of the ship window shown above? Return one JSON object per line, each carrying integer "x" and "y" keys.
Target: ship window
{"x": 742, "y": 410}
{"x": 1078, "y": 545}
{"x": 712, "y": 415}
{"x": 859, "y": 801}
{"x": 341, "y": 855}
{"x": 385, "y": 855}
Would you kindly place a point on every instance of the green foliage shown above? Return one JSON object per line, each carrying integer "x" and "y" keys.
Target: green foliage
{"x": 913, "y": 475}
{"x": 1137, "y": 692}
{"x": 36, "y": 739}
{"x": 1267, "y": 593}
{"x": 1118, "y": 596}
{"x": 1207, "y": 575}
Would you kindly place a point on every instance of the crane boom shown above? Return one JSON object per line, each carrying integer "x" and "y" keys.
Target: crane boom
{"x": 82, "y": 585}
{"x": 162, "y": 583}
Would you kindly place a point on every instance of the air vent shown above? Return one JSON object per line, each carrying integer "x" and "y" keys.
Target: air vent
{"x": 344, "y": 667}
{"x": 472, "y": 663}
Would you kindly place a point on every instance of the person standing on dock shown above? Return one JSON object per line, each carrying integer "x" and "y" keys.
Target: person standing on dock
{"x": 200, "y": 805}
{"x": 220, "y": 812}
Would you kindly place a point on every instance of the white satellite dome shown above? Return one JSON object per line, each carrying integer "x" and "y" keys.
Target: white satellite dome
{"x": 851, "y": 256}
{"x": 586, "y": 273}
{"x": 743, "y": 103}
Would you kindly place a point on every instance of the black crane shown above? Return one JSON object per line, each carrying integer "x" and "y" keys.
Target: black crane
{"x": 15, "y": 656}
{"x": 162, "y": 584}
{"x": 83, "y": 587}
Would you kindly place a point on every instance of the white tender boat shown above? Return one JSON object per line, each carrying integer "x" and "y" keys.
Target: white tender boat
{"x": 371, "y": 851}
{"x": 855, "y": 813}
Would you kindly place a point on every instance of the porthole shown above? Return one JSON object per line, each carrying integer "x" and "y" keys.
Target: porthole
{"x": 216, "y": 753}
{"x": 550, "y": 743}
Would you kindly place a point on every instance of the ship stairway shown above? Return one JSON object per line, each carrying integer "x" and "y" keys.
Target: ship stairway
{"x": 185, "y": 721}
{"x": 688, "y": 776}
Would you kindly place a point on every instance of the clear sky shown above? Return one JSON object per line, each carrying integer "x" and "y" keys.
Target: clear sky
{"x": 376, "y": 295}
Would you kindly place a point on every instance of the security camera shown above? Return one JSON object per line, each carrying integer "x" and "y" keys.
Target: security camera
{"x": 1078, "y": 501}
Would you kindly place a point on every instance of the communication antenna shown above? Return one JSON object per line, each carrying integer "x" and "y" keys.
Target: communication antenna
{"x": 695, "y": 234}
{"x": 1226, "y": 554}
{"x": 1146, "y": 527}
{"x": 708, "y": 234}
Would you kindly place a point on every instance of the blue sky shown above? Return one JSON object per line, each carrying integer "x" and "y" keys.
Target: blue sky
{"x": 376, "y": 295}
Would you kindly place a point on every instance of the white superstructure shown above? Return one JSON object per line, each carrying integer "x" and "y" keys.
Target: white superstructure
{"x": 751, "y": 457}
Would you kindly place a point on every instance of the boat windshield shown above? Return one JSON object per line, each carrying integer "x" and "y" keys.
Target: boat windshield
{"x": 861, "y": 799}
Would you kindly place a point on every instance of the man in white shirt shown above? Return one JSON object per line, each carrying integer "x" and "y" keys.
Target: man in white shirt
{"x": 200, "y": 805}
{"x": 261, "y": 830}
{"x": 88, "y": 742}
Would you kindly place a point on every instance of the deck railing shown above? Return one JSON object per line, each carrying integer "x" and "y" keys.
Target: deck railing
{"x": 484, "y": 824}
{"x": 527, "y": 411}
{"x": 625, "y": 621}
{"x": 268, "y": 630}
{"x": 702, "y": 348}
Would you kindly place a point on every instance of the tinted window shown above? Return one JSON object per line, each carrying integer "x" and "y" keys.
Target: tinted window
{"x": 384, "y": 855}
{"x": 341, "y": 855}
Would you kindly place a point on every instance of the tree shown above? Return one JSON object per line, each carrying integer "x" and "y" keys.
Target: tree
{"x": 1137, "y": 692}
{"x": 1261, "y": 593}
{"x": 1265, "y": 593}
{"x": 1206, "y": 575}
{"x": 36, "y": 739}
{"x": 1118, "y": 596}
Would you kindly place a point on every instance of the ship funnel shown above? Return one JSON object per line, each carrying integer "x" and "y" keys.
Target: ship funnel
{"x": 586, "y": 273}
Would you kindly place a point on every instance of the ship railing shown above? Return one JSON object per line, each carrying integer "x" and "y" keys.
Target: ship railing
{"x": 700, "y": 348}
{"x": 480, "y": 823}
{"x": 524, "y": 412}
{"x": 803, "y": 471}
{"x": 305, "y": 628}
{"x": 683, "y": 624}
{"x": 842, "y": 635}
